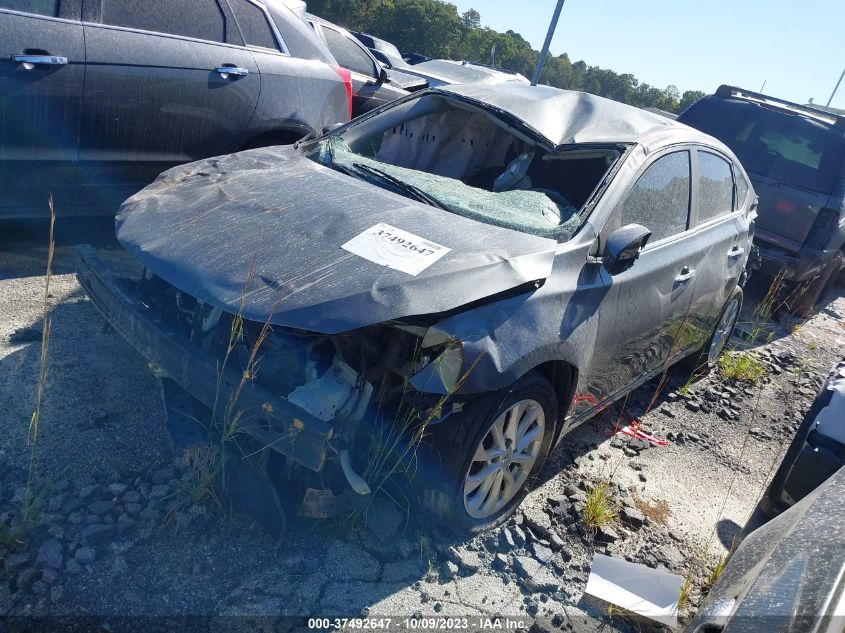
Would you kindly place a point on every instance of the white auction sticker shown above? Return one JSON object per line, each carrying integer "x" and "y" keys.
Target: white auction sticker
{"x": 388, "y": 246}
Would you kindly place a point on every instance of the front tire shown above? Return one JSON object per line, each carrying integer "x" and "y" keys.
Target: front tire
{"x": 480, "y": 471}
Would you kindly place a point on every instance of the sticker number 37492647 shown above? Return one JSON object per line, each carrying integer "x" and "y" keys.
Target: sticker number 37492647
{"x": 388, "y": 246}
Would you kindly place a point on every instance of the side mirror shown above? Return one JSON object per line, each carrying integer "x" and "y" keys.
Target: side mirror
{"x": 383, "y": 77}
{"x": 623, "y": 247}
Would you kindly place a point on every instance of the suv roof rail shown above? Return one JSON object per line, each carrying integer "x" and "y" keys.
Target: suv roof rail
{"x": 725, "y": 91}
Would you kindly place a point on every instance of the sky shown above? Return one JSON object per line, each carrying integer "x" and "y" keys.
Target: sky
{"x": 797, "y": 48}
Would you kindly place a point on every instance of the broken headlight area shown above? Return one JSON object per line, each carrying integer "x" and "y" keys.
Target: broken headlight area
{"x": 378, "y": 387}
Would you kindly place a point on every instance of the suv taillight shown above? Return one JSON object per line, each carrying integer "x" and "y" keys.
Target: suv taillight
{"x": 822, "y": 229}
{"x": 346, "y": 77}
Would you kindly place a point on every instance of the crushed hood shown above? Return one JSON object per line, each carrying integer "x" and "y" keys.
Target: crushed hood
{"x": 201, "y": 226}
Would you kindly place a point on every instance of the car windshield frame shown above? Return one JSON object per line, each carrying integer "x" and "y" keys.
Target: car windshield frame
{"x": 331, "y": 150}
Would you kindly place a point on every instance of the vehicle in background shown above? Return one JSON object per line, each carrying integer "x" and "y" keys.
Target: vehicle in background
{"x": 384, "y": 51}
{"x": 495, "y": 263}
{"x": 786, "y": 576}
{"x": 666, "y": 113}
{"x": 795, "y": 156}
{"x": 438, "y": 72}
{"x": 372, "y": 85}
{"x": 97, "y": 100}
{"x": 816, "y": 452}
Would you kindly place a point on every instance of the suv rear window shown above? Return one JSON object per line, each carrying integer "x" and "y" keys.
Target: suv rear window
{"x": 787, "y": 147}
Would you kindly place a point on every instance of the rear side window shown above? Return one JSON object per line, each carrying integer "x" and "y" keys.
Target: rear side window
{"x": 200, "y": 19}
{"x": 347, "y": 53}
{"x": 39, "y": 7}
{"x": 787, "y": 147}
{"x": 660, "y": 199}
{"x": 254, "y": 26}
{"x": 715, "y": 186}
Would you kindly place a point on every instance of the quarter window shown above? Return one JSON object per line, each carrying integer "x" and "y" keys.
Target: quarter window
{"x": 200, "y": 19}
{"x": 741, "y": 188}
{"x": 254, "y": 26}
{"x": 347, "y": 53}
{"x": 660, "y": 199}
{"x": 715, "y": 186}
{"x": 39, "y": 7}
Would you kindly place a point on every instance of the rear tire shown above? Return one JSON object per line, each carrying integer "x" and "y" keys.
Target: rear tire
{"x": 700, "y": 363}
{"x": 481, "y": 464}
{"x": 811, "y": 292}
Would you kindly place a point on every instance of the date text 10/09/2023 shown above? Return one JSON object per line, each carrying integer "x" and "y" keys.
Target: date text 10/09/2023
{"x": 417, "y": 624}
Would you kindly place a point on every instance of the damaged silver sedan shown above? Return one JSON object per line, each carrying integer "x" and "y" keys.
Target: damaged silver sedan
{"x": 444, "y": 287}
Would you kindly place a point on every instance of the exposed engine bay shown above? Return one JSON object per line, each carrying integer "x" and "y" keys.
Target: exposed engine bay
{"x": 342, "y": 379}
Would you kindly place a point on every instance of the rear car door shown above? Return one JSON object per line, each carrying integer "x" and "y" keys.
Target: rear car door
{"x": 42, "y": 57}
{"x": 641, "y": 317}
{"x": 718, "y": 243}
{"x": 166, "y": 84}
{"x": 370, "y": 91}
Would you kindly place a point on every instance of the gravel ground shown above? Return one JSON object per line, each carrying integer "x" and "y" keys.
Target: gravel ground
{"x": 106, "y": 545}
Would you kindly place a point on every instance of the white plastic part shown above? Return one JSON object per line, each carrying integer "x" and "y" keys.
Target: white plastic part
{"x": 335, "y": 393}
{"x": 355, "y": 480}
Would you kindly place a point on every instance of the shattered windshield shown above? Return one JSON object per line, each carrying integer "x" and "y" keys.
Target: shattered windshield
{"x": 466, "y": 162}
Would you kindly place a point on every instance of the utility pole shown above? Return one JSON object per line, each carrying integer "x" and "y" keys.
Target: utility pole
{"x": 541, "y": 61}
{"x": 833, "y": 94}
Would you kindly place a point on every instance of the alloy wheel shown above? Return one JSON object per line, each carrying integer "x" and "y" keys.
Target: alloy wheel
{"x": 504, "y": 459}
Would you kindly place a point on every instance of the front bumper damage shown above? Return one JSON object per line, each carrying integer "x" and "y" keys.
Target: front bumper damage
{"x": 271, "y": 420}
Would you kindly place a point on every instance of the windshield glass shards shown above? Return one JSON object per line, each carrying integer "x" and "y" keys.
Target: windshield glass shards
{"x": 466, "y": 162}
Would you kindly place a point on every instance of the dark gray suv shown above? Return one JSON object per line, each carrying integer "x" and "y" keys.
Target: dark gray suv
{"x": 795, "y": 156}
{"x": 97, "y": 97}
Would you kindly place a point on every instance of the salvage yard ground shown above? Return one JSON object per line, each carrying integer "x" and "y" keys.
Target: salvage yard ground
{"x": 106, "y": 545}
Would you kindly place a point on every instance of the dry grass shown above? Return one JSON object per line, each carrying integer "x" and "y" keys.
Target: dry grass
{"x": 657, "y": 512}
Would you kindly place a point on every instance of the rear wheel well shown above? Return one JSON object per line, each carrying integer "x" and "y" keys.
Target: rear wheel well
{"x": 563, "y": 378}
{"x": 278, "y": 137}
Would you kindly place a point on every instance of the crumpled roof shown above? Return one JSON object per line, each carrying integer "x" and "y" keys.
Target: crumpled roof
{"x": 566, "y": 117}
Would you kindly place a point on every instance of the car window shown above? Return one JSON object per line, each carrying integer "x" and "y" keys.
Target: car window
{"x": 347, "y": 53}
{"x": 254, "y": 26}
{"x": 715, "y": 186}
{"x": 39, "y": 7}
{"x": 742, "y": 188}
{"x": 790, "y": 148}
{"x": 660, "y": 199}
{"x": 201, "y": 19}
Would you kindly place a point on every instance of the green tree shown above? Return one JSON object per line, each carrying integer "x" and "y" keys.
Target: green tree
{"x": 689, "y": 97}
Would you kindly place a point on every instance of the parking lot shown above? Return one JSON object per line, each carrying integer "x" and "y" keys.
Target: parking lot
{"x": 106, "y": 545}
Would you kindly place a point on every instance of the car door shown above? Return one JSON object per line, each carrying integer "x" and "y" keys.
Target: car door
{"x": 718, "y": 242}
{"x": 642, "y": 314}
{"x": 42, "y": 57}
{"x": 166, "y": 84}
{"x": 370, "y": 90}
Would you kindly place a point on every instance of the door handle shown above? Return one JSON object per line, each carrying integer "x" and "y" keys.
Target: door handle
{"x": 685, "y": 276}
{"x": 735, "y": 252}
{"x": 235, "y": 71}
{"x": 31, "y": 61}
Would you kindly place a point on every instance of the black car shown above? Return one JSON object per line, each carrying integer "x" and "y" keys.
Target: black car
{"x": 99, "y": 97}
{"x": 372, "y": 84}
{"x": 816, "y": 452}
{"x": 794, "y": 155}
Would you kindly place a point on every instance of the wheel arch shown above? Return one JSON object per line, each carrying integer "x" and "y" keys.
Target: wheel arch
{"x": 563, "y": 377}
